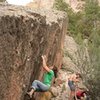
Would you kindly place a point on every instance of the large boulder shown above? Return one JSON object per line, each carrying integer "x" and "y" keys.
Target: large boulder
{"x": 25, "y": 35}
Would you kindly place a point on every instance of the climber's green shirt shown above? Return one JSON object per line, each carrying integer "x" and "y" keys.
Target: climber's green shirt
{"x": 48, "y": 77}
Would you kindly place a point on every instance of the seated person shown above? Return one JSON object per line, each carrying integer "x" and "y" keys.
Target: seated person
{"x": 72, "y": 82}
{"x": 81, "y": 94}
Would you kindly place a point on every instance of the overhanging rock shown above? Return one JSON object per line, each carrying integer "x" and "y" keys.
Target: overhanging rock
{"x": 25, "y": 35}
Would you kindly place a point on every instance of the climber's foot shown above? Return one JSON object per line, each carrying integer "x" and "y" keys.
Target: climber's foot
{"x": 29, "y": 95}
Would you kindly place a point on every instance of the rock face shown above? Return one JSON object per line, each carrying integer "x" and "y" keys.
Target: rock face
{"x": 24, "y": 36}
{"x": 70, "y": 48}
{"x": 76, "y": 5}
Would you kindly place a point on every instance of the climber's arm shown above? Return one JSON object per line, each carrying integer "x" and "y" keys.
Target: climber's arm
{"x": 44, "y": 64}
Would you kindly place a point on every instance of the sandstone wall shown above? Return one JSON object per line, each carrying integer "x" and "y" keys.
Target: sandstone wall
{"x": 24, "y": 36}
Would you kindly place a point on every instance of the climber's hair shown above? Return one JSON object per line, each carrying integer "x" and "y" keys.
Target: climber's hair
{"x": 79, "y": 74}
{"x": 55, "y": 69}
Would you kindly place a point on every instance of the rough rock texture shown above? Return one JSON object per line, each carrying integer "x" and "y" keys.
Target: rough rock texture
{"x": 24, "y": 36}
{"x": 61, "y": 90}
{"x": 74, "y": 58}
{"x": 76, "y": 5}
{"x": 70, "y": 48}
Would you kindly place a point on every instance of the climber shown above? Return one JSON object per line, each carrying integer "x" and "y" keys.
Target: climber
{"x": 72, "y": 83}
{"x": 82, "y": 94}
{"x": 49, "y": 74}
